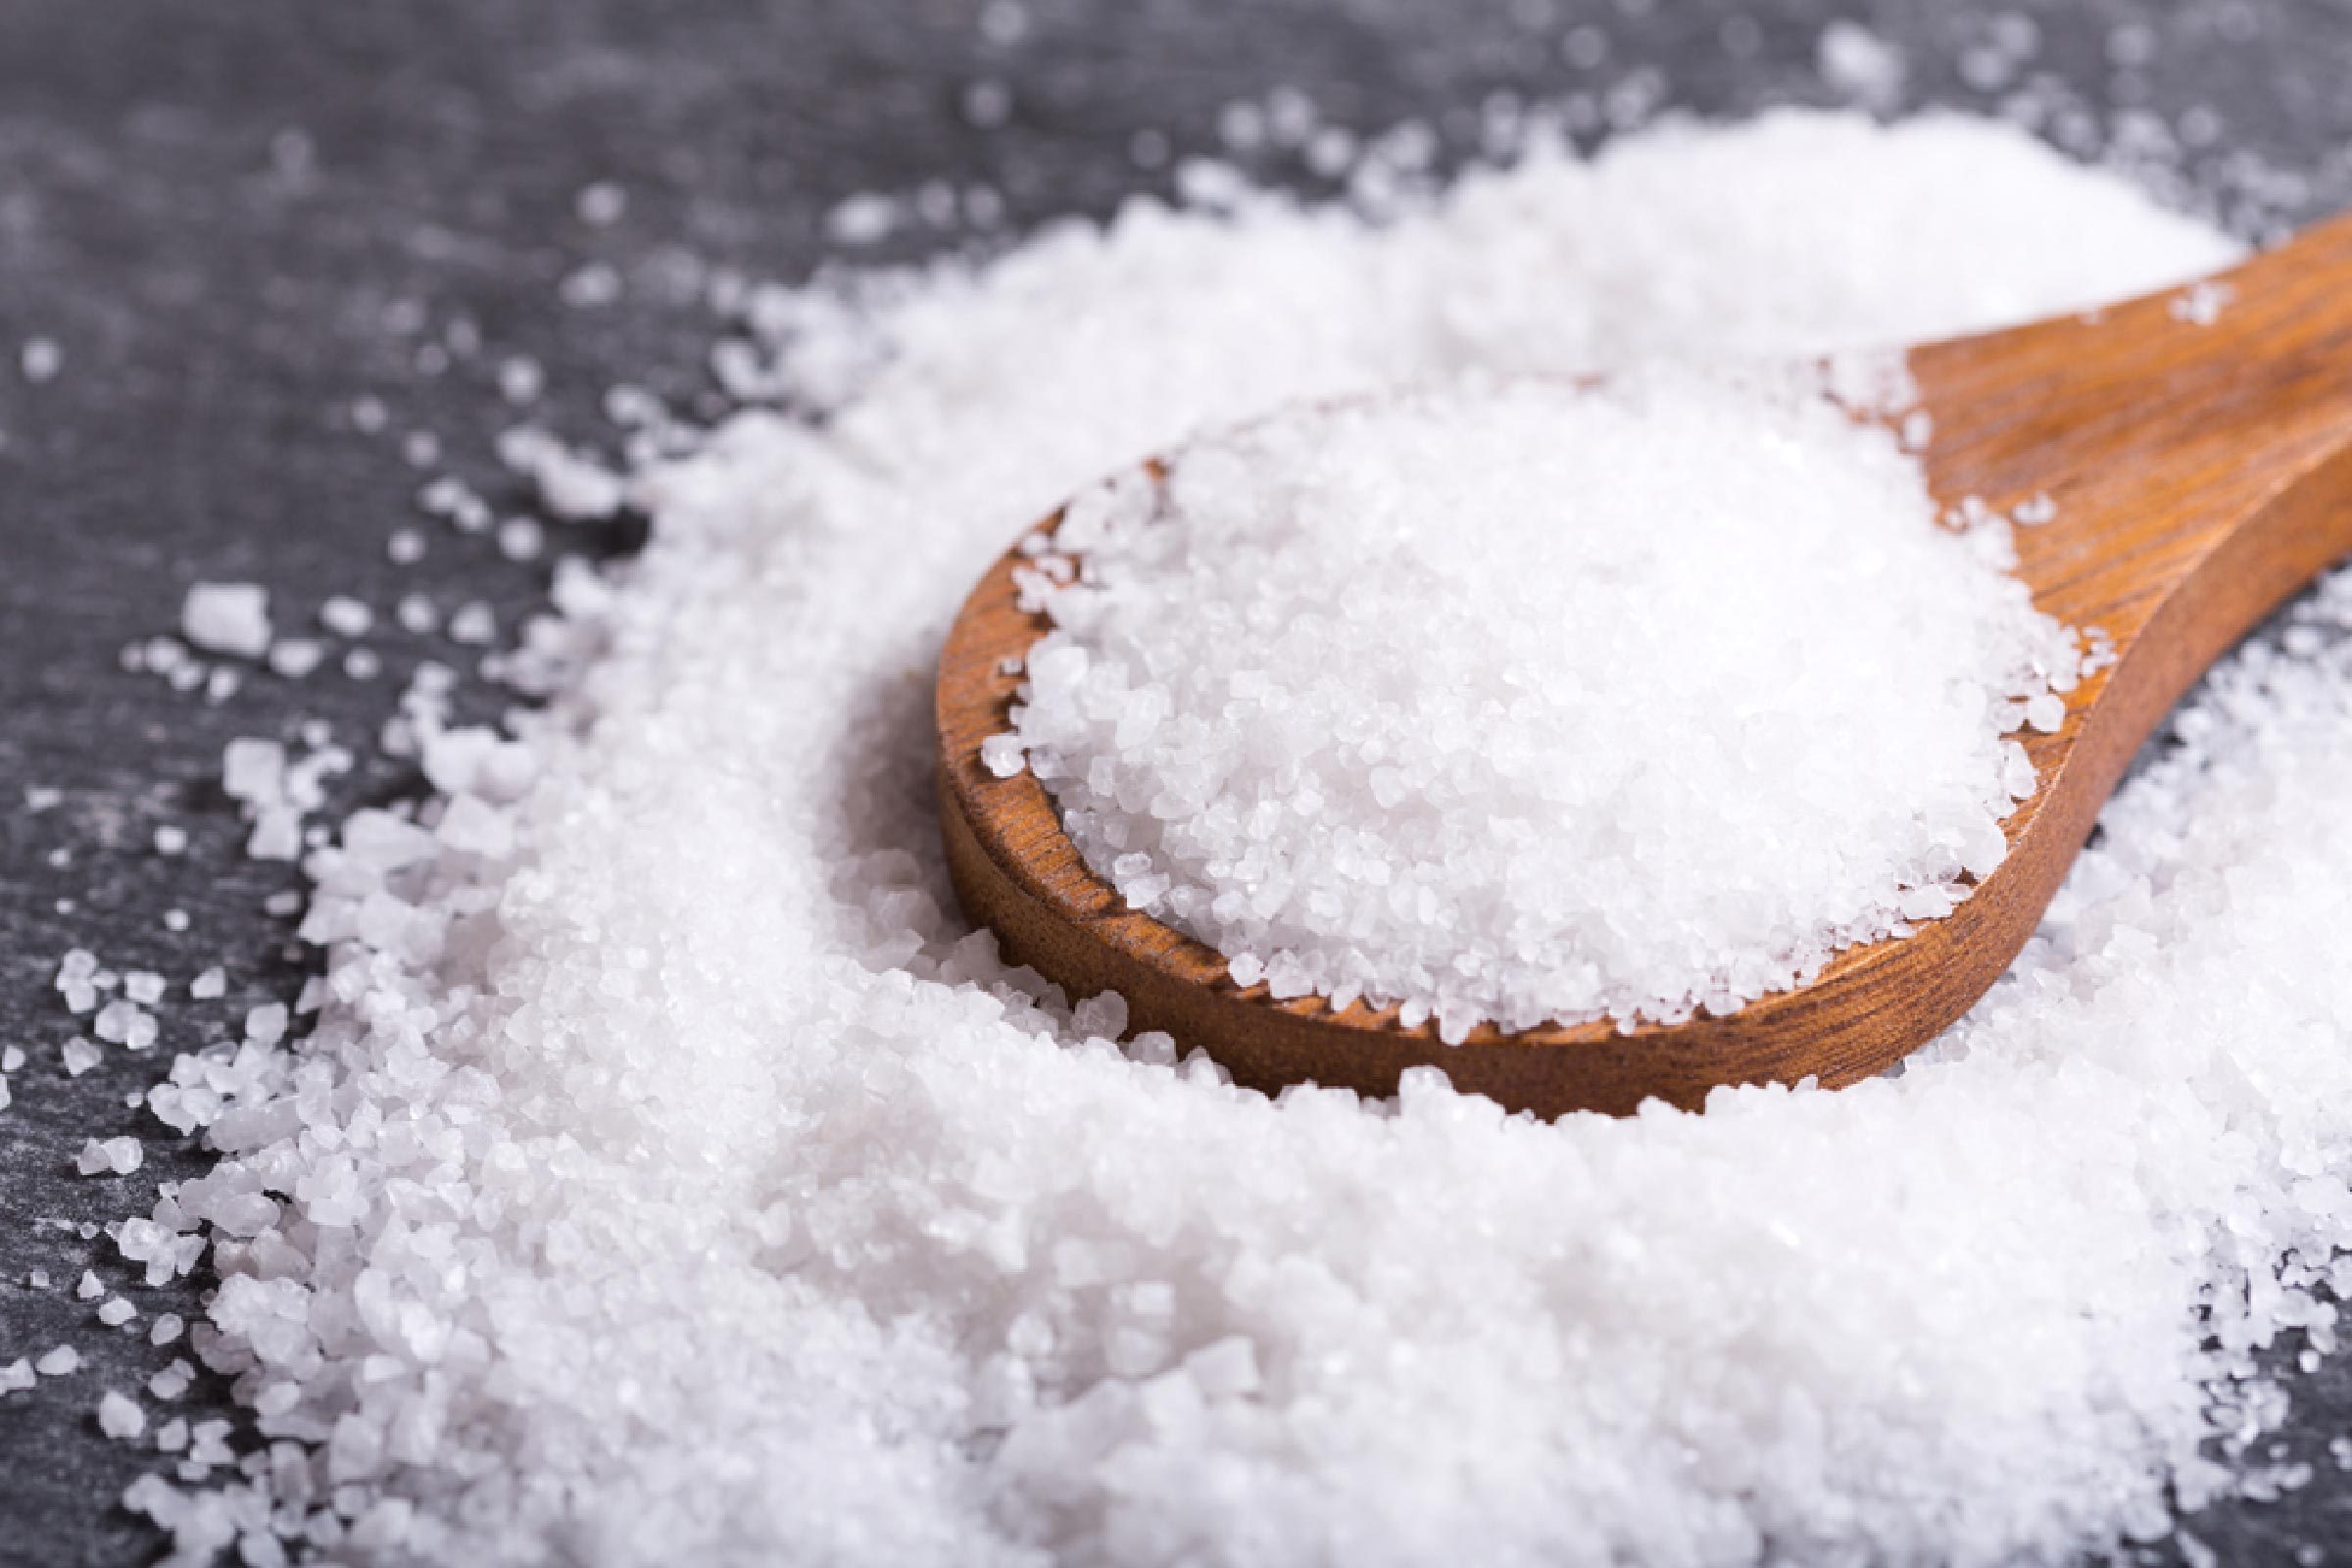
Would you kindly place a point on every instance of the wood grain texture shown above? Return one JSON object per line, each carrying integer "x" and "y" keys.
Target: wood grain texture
{"x": 2201, "y": 474}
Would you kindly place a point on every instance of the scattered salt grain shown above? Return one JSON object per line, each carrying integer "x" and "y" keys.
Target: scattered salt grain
{"x": 520, "y": 380}
{"x": 117, "y": 1157}
{"x": 210, "y": 984}
{"x": 265, "y": 1025}
{"x": 590, "y": 287}
{"x": 2201, "y": 303}
{"x": 227, "y": 617}
{"x": 864, "y": 219}
{"x": 293, "y": 657}
{"x": 520, "y": 538}
{"x": 570, "y": 485}
{"x": 63, "y": 1361}
{"x": 116, "y": 1312}
{"x": 600, "y": 205}
{"x": 1544, "y": 868}
{"x": 1866, "y": 68}
{"x": 345, "y": 617}
{"x": 472, "y": 623}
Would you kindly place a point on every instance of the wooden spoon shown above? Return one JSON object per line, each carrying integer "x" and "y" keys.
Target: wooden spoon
{"x": 2201, "y": 465}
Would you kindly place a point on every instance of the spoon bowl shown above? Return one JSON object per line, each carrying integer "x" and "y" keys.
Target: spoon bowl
{"x": 2197, "y": 447}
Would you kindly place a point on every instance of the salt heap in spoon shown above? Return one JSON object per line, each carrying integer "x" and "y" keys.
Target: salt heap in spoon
{"x": 667, "y": 1175}
{"x": 1530, "y": 701}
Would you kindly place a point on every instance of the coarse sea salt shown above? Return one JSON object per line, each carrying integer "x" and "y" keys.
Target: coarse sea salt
{"x": 1532, "y": 702}
{"x": 675, "y": 1176}
{"x": 227, "y": 617}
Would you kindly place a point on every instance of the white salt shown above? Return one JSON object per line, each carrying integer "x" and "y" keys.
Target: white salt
{"x": 600, "y": 205}
{"x": 345, "y": 617}
{"x": 1866, "y": 68}
{"x": 472, "y": 623}
{"x": 1413, "y": 697}
{"x": 227, "y": 617}
{"x": 116, "y": 1156}
{"x": 63, "y": 1361}
{"x": 120, "y": 1418}
{"x": 690, "y": 1183}
{"x": 864, "y": 219}
{"x": 296, "y": 656}
{"x": 521, "y": 379}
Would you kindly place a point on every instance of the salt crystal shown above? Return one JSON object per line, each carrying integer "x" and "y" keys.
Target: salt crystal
{"x": 120, "y": 1418}
{"x": 472, "y": 623}
{"x": 116, "y": 1157}
{"x": 1491, "y": 511}
{"x": 521, "y": 379}
{"x": 1858, "y": 63}
{"x": 865, "y": 219}
{"x": 600, "y": 205}
{"x": 227, "y": 617}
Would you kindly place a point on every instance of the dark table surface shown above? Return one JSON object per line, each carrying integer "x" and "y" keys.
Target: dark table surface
{"x": 234, "y": 219}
